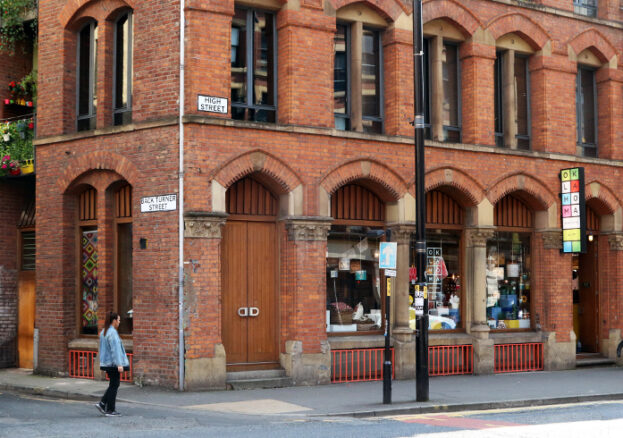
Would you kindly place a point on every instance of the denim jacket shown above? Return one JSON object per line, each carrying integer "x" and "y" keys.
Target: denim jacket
{"x": 112, "y": 353}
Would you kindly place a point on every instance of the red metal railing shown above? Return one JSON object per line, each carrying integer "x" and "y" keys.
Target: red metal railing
{"x": 81, "y": 364}
{"x": 358, "y": 365}
{"x": 513, "y": 358}
{"x": 446, "y": 360}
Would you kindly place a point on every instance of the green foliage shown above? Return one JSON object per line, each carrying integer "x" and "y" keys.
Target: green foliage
{"x": 16, "y": 141}
{"x": 13, "y": 28}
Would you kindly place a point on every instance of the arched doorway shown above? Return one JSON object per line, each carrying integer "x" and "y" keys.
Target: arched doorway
{"x": 249, "y": 277}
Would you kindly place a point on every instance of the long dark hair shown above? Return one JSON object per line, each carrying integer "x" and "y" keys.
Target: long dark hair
{"x": 110, "y": 317}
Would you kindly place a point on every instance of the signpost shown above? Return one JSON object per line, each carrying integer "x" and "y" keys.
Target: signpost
{"x": 388, "y": 253}
{"x": 152, "y": 204}
{"x": 573, "y": 210}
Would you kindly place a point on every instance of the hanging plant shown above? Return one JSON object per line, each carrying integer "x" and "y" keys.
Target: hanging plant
{"x": 13, "y": 28}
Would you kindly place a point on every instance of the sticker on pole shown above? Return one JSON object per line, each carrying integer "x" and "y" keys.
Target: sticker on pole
{"x": 388, "y": 251}
{"x": 418, "y": 303}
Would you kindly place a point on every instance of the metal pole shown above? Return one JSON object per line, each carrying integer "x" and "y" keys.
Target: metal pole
{"x": 421, "y": 332}
{"x": 387, "y": 363}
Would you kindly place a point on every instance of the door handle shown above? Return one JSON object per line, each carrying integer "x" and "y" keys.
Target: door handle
{"x": 254, "y": 311}
{"x": 243, "y": 311}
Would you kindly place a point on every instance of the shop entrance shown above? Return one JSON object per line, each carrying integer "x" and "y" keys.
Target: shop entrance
{"x": 586, "y": 299}
{"x": 26, "y": 300}
{"x": 249, "y": 280}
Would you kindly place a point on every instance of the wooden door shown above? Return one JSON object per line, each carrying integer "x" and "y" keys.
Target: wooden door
{"x": 249, "y": 294}
{"x": 588, "y": 310}
{"x": 25, "y": 318}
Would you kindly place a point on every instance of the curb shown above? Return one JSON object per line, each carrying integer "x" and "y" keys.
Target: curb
{"x": 48, "y": 392}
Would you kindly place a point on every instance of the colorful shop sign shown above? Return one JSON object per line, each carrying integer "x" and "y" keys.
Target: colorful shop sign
{"x": 573, "y": 210}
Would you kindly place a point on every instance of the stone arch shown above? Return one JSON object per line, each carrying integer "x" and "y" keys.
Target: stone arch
{"x": 388, "y": 9}
{"x": 607, "y": 203}
{"x": 98, "y": 9}
{"x": 592, "y": 39}
{"x": 528, "y": 30}
{"x": 386, "y": 183}
{"x": 100, "y": 160}
{"x": 466, "y": 190}
{"x": 532, "y": 191}
{"x": 452, "y": 11}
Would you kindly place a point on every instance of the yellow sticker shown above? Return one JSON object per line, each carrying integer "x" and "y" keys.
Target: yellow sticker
{"x": 425, "y": 292}
{"x": 389, "y": 287}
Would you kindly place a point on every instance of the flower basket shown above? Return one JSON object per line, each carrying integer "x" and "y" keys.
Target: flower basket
{"x": 27, "y": 167}
{"x": 343, "y": 317}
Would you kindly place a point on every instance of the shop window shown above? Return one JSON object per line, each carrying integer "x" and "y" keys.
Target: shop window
{"x": 357, "y": 80}
{"x": 122, "y": 74}
{"x": 585, "y": 7}
{"x": 123, "y": 254}
{"x": 253, "y": 65}
{"x": 586, "y": 112}
{"x": 512, "y": 100}
{"x": 442, "y": 106}
{"x": 86, "y": 77}
{"x": 88, "y": 259}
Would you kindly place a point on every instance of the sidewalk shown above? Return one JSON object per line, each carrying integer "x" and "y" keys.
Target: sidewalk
{"x": 452, "y": 393}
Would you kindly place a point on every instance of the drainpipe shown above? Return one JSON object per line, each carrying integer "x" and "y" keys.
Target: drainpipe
{"x": 181, "y": 203}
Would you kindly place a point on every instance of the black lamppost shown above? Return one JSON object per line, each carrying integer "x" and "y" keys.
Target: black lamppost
{"x": 421, "y": 326}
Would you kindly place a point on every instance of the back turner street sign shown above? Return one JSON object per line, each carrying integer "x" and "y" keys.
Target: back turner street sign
{"x": 573, "y": 204}
{"x": 152, "y": 204}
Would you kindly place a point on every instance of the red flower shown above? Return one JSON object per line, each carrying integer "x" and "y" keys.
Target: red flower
{"x": 31, "y": 125}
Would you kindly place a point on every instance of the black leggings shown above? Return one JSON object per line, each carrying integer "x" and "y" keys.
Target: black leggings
{"x": 110, "y": 396}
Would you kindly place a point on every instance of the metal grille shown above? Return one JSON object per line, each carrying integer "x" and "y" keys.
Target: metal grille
{"x": 513, "y": 358}
{"x": 446, "y": 360}
{"x": 358, "y": 365}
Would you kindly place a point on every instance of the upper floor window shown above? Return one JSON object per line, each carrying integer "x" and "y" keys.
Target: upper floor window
{"x": 585, "y": 7}
{"x": 122, "y": 74}
{"x": 86, "y": 76}
{"x": 253, "y": 66}
{"x": 586, "y": 112}
{"x": 512, "y": 100}
{"x": 442, "y": 84}
{"x": 358, "y": 79}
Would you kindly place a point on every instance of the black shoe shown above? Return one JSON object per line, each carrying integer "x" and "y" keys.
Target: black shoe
{"x": 100, "y": 406}
{"x": 113, "y": 414}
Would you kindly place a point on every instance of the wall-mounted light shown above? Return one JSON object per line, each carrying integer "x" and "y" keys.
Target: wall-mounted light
{"x": 590, "y": 237}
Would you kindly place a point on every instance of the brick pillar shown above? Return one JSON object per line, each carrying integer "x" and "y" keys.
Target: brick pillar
{"x": 306, "y": 358}
{"x": 402, "y": 334}
{"x": 610, "y": 113}
{"x": 398, "y": 86}
{"x": 510, "y": 105}
{"x": 205, "y": 355}
{"x": 104, "y": 79}
{"x": 612, "y": 296}
{"x": 553, "y": 119}
{"x": 305, "y": 67}
{"x": 478, "y": 99}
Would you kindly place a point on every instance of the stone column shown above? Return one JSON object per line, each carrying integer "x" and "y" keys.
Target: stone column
{"x": 307, "y": 358}
{"x": 205, "y": 361}
{"x": 404, "y": 345}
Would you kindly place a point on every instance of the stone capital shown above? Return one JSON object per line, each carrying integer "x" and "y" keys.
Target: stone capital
{"x": 552, "y": 239}
{"x": 616, "y": 242}
{"x": 310, "y": 228}
{"x": 477, "y": 237}
{"x": 204, "y": 225}
{"x": 402, "y": 232}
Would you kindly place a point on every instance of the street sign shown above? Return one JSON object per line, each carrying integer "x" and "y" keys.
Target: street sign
{"x": 388, "y": 252}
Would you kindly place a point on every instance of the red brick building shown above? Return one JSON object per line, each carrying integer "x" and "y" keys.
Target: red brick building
{"x": 286, "y": 190}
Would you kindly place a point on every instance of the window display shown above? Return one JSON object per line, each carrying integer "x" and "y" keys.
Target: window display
{"x": 508, "y": 281}
{"x": 353, "y": 283}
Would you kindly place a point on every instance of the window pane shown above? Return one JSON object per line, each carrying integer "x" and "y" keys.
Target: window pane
{"x": 263, "y": 90}
{"x": 353, "y": 279}
{"x": 521, "y": 90}
{"x": 450, "y": 108}
{"x": 508, "y": 281}
{"x": 340, "y": 77}
{"x": 88, "y": 281}
{"x": 370, "y": 74}
{"x": 372, "y": 126}
{"x": 122, "y": 62}
{"x": 124, "y": 277}
{"x": 587, "y": 93}
{"x": 84, "y": 70}
{"x": 443, "y": 278}
{"x": 239, "y": 57}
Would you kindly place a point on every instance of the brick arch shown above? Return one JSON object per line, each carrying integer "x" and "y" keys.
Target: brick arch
{"x": 532, "y": 191}
{"x": 453, "y": 12}
{"x": 530, "y": 31}
{"x": 273, "y": 172}
{"x": 607, "y": 203}
{"x": 100, "y": 160}
{"x": 464, "y": 189}
{"x": 598, "y": 44}
{"x": 386, "y": 183}
{"x": 98, "y": 9}
{"x": 388, "y": 9}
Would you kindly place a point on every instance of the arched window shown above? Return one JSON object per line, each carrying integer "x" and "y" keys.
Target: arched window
{"x": 88, "y": 261}
{"x": 122, "y": 66}
{"x": 86, "y": 77}
{"x": 123, "y": 257}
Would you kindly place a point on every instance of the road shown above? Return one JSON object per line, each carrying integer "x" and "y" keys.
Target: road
{"x": 24, "y": 416}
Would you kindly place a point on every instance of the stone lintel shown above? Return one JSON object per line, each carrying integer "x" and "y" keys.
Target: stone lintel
{"x": 477, "y": 237}
{"x": 401, "y": 232}
{"x": 307, "y": 228}
{"x": 552, "y": 239}
{"x": 204, "y": 225}
{"x": 616, "y": 242}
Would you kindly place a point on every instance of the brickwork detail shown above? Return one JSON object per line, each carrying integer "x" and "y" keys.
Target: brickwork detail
{"x": 308, "y": 229}
{"x": 477, "y": 237}
{"x": 467, "y": 191}
{"x": 616, "y": 242}
{"x": 541, "y": 196}
{"x": 552, "y": 239}
{"x": 205, "y": 227}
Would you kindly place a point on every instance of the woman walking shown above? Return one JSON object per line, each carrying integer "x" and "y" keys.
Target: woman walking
{"x": 113, "y": 360}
